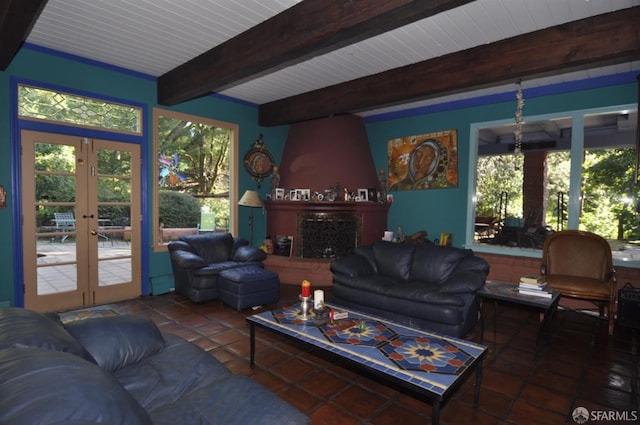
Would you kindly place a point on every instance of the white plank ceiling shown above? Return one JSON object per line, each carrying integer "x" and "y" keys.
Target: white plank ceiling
{"x": 155, "y": 36}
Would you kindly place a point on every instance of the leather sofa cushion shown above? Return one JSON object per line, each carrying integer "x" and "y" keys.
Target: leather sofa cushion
{"x": 116, "y": 342}
{"x": 382, "y": 287}
{"x": 180, "y": 368}
{"x": 462, "y": 282}
{"x": 366, "y": 252}
{"x": 21, "y": 328}
{"x": 424, "y": 292}
{"x": 216, "y": 268}
{"x": 393, "y": 260}
{"x": 213, "y": 247}
{"x": 236, "y": 400}
{"x": 247, "y": 274}
{"x": 352, "y": 266}
{"x": 473, "y": 263}
{"x": 246, "y": 254}
{"x": 403, "y": 310}
{"x": 436, "y": 314}
{"x": 41, "y": 386}
{"x": 188, "y": 260}
{"x": 374, "y": 284}
{"x": 434, "y": 263}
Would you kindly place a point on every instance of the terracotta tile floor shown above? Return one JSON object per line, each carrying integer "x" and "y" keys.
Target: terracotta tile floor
{"x": 581, "y": 366}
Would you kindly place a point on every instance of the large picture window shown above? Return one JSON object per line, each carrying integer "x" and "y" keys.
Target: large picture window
{"x": 576, "y": 171}
{"x": 193, "y": 191}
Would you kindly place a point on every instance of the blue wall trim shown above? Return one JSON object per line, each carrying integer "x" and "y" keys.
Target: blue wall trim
{"x": 548, "y": 90}
{"x": 16, "y": 188}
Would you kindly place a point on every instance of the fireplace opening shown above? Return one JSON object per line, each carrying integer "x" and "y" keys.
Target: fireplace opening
{"x": 328, "y": 234}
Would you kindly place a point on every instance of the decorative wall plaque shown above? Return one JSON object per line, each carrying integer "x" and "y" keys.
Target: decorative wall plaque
{"x": 258, "y": 161}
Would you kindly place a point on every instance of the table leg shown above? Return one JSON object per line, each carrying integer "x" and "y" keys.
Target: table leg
{"x": 481, "y": 319}
{"x": 495, "y": 319}
{"x": 476, "y": 393}
{"x": 435, "y": 414}
{"x": 252, "y": 345}
{"x": 545, "y": 324}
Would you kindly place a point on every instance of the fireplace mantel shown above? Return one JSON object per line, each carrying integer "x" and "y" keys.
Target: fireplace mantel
{"x": 282, "y": 217}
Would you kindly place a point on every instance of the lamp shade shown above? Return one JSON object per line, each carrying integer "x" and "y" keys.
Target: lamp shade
{"x": 250, "y": 199}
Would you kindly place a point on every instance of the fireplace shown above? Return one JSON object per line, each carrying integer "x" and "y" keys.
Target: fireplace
{"x": 319, "y": 155}
{"x": 335, "y": 227}
{"x": 327, "y": 235}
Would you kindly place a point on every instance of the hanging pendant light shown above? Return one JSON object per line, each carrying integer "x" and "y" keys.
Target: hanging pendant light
{"x": 517, "y": 133}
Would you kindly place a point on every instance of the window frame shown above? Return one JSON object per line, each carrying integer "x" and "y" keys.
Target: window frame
{"x": 575, "y": 180}
{"x": 140, "y": 110}
{"x": 158, "y": 245}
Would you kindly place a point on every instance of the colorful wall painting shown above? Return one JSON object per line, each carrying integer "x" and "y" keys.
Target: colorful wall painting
{"x": 427, "y": 161}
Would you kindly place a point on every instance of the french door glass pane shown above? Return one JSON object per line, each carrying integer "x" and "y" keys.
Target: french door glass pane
{"x": 55, "y": 215}
{"x": 114, "y": 217}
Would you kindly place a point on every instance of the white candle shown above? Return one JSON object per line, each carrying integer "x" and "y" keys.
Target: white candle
{"x": 388, "y": 236}
{"x": 318, "y": 299}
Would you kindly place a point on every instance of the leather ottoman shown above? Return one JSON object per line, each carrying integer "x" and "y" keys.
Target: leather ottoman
{"x": 248, "y": 286}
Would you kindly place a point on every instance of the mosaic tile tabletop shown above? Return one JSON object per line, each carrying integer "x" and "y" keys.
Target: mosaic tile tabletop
{"x": 428, "y": 360}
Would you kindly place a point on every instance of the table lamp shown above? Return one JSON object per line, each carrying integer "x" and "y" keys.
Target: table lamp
{"x": 252, "y": 200}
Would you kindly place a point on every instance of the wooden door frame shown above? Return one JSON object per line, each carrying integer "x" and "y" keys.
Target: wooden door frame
{"x": 28, "y": 139}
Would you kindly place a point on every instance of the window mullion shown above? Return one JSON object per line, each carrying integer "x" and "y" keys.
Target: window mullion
{"x": 575, "y": 185}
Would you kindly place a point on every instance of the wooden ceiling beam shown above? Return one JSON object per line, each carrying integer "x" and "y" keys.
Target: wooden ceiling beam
{"x": 308, "y": 29}
{"x": 596, "y": 41}
{"x": 17, "y": 17}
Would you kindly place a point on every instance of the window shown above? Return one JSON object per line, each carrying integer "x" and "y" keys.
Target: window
{"x": 194, "y": 182}
{"x": 70, "y": 109}
{"x": 575, "y": 171}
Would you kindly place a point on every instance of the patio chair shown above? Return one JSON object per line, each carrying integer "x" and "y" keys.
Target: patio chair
{"x": 207, "y": 222}
{"x": 117, "y": 228}
{"x": 65, "y": 222}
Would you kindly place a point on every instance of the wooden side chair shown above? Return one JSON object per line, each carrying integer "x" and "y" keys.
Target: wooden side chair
{"x": 579, "y": 265}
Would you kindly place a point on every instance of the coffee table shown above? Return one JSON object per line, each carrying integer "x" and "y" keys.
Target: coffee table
{"x": 431, "y": 364}
{"x": 506, "y": 291}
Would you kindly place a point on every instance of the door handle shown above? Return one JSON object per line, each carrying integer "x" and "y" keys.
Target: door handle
{"x": 94, "y": 232}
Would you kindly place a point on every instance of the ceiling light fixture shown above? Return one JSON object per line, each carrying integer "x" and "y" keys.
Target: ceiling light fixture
{"x": 517, "y": 133}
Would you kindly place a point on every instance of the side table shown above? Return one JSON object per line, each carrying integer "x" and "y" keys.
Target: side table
{"x": 508, "y": 292}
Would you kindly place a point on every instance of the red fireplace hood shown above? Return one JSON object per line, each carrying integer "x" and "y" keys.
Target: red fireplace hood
{"x": 320, "y": 153}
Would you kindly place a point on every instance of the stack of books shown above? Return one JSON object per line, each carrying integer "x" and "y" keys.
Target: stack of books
{"x": 534, "y": 286}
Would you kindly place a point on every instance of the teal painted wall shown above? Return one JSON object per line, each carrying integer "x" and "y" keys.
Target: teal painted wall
{"x": 50, "y": 69}
{"x": 436, "y": 211}
{"x": 445, "y": 210}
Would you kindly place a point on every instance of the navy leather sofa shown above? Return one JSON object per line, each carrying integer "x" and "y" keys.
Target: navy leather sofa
{"x": 198, "y": 260}
{"x": 121, "y": 371}
{"x": 423, "y": 285}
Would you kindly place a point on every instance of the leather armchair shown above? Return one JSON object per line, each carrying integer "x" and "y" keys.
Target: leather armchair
{"x": 579, "y": 265}
{"x": 198, "y": 260}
